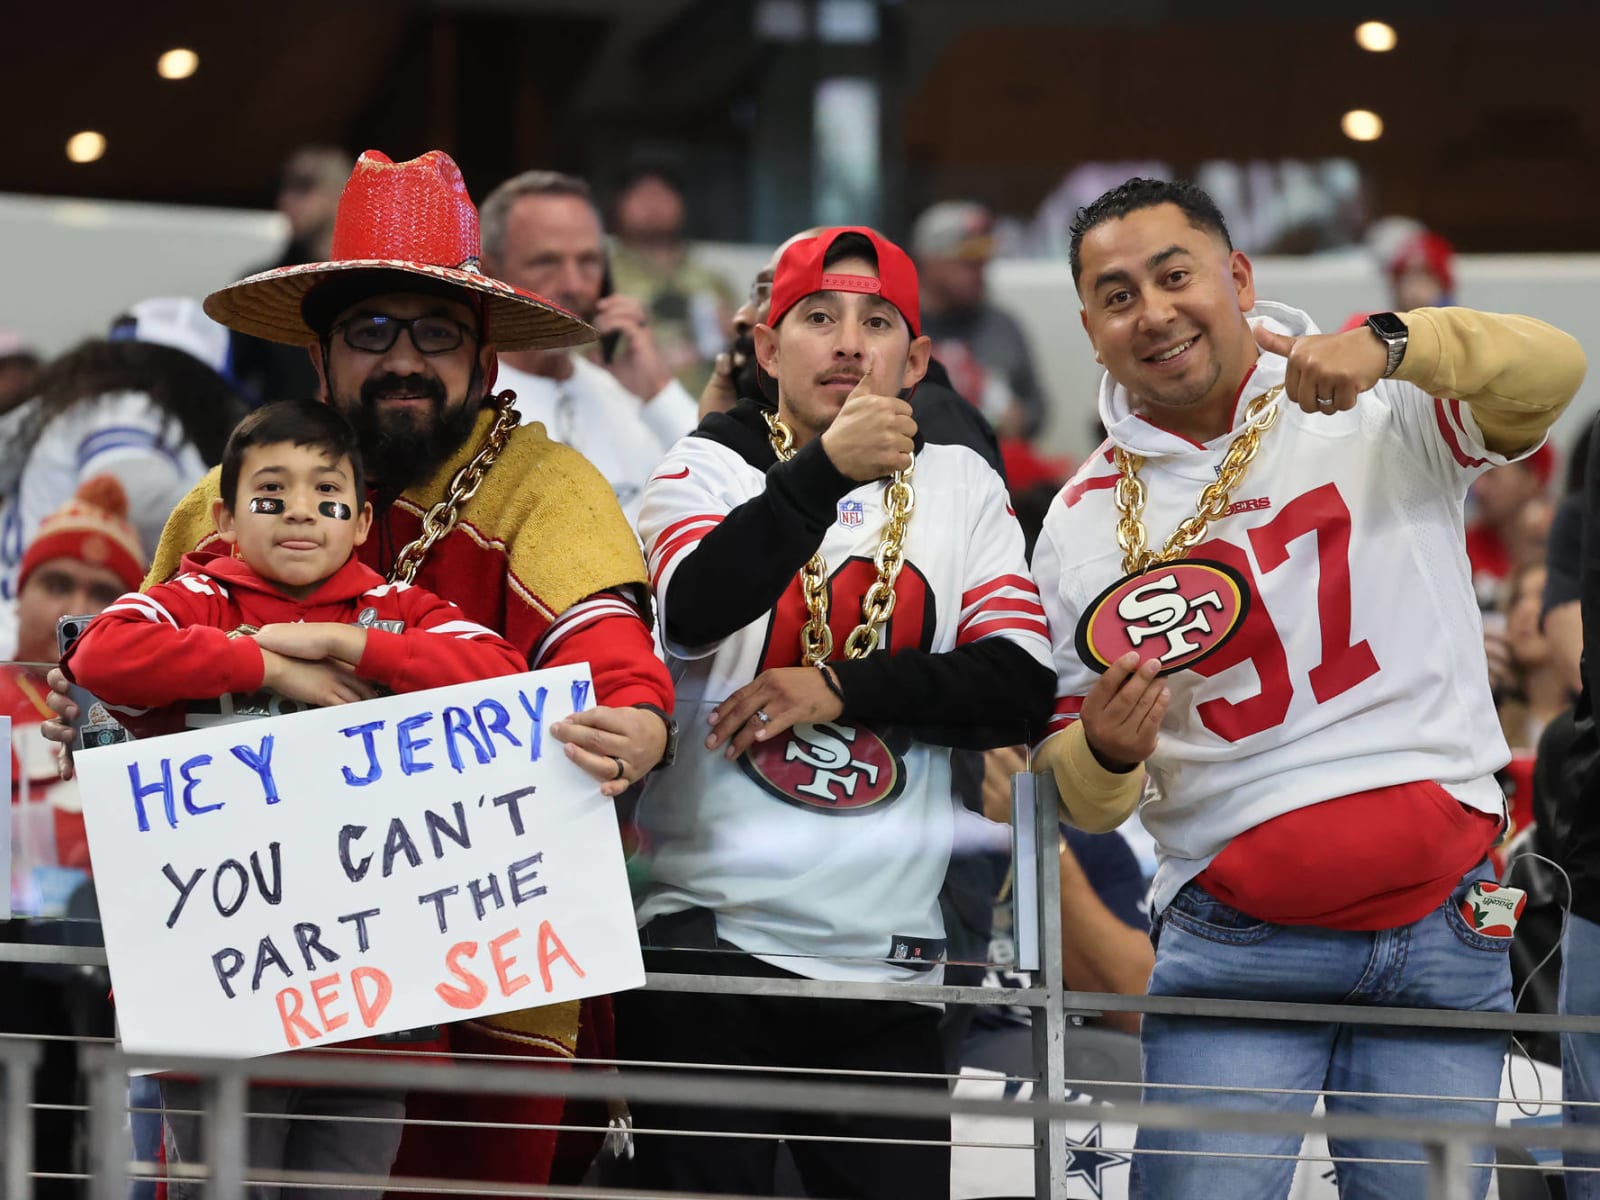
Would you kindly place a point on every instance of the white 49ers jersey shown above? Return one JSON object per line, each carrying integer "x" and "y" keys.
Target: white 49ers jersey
{"x": 823, "y": 850}
{"x": 1359, "y": 663}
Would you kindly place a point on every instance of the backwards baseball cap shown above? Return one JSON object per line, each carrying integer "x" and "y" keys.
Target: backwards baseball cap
{"x": 90, "y": 528}
{"x": 178, "y": 323}
{"x": 954, "y": 229}
{"x": 801, "y": 273}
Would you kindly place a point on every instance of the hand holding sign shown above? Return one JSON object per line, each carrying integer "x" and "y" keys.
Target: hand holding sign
{"x": 1327, "y": 371}
{"x": 873, "y": 434}
{"x": 1122, "y": 712}
{"x": 617, "y": 746}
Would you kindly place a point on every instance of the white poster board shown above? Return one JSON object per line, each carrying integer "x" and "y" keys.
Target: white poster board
{"x": 344, "y": 872}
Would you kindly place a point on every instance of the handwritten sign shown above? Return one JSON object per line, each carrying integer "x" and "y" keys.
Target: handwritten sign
{"x": 377, "y": 867}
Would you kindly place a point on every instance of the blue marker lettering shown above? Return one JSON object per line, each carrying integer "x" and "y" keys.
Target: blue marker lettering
{"x": 162, "y": 789}
{"x": 458, "y": 723}
{"x": 260, "y": 761}
{"x": 409, "y": 745}
{"x": 535, "y": 713}
{"x": 374, "y": 772}
{"x": 499, "y": 721}
{"x": 187, "y": 771}
{"x": 580, "y": 694}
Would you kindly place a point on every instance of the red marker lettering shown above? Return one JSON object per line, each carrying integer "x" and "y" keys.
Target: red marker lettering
{"x": 504, "y": 962}
{"x": 325, "y": 991}
{"x": 473, "y": 994}
{"x": 373, "y": 1004}
{"x": 550, "y": 949}
{"x": 290, "y": 1005}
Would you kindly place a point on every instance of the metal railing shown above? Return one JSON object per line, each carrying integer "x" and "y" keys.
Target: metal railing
{"x": 1447, "y": 1148}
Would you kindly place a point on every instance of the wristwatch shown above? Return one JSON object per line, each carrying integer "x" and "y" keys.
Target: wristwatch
{"x": 670, "y": 754}
{"x": 1391, "y": 331}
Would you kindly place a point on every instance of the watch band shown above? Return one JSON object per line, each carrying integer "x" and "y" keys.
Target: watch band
{"x": 1392, "y": 332}
{"x": 670, "y": 754}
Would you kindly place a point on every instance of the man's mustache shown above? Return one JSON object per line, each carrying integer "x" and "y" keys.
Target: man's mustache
{"x": 385, "y": 387}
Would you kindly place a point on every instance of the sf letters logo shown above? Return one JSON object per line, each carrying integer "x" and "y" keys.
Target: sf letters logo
{"x": 828, "y": 749}
{"x": 1176, "y": 614}
{"x": 1158, "y": 608}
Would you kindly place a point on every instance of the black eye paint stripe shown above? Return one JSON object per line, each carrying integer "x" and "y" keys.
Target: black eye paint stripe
{"x": 334, "y": 509}
{"x": 267, "y": 505}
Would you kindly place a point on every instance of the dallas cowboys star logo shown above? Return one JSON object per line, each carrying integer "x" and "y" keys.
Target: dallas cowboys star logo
{"x": 1088, "y": 1161}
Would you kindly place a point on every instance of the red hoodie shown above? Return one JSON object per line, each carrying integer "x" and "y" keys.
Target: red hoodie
{"x": 160, "y": 648}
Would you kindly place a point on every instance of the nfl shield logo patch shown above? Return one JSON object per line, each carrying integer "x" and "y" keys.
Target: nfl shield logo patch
{"x": 851, "y": 514}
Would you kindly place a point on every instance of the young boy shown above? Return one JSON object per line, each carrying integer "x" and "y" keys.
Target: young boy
{"x": 290, "y": 610}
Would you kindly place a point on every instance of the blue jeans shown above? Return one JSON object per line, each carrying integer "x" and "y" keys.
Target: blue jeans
{"x": 1580, "y": 1052}
{"x": 1206, "y": 948}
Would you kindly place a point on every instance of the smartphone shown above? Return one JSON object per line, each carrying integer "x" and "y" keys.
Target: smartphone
{"x": 608, "y": 341}
{"x": 96, "y": 726}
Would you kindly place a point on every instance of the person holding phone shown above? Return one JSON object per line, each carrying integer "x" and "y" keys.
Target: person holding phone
{"x": 619, "y": 404}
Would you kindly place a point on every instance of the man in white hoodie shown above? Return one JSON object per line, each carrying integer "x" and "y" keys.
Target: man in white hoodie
{"x": 1300, "y": 669}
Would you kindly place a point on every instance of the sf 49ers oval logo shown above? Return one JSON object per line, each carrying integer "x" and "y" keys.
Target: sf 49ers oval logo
{"x": 1177, "y": 613}
{"x": 833, "y": 767}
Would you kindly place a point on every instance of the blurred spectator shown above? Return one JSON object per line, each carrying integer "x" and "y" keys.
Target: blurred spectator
{"x": 1498, "y": 535}
{"x": 1537, "y": 691}
{"x": 308, "y": 196}
{"x": 1560, "y": 615}
{"x": 542, "y": 232}
{"x": 1580, "y": 942}
{"x": 86, "y": 555}
{"x": 1422, "y": 272}
{"x": 981, "y": 345}
{"x": 689, "y": 304}
{"x": 145, "y": 404}
{"x": 19, "y": 369}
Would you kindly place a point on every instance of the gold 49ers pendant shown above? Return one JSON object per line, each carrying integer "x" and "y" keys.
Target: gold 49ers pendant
{"x": 1175, "y": 612}
{"x": 1167, "y": 606}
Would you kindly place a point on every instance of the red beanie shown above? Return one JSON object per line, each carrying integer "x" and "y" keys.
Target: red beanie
{"x": 90, "y": 528}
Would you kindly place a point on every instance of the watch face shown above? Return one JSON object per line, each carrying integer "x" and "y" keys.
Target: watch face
{"x": 1387, "y": 325}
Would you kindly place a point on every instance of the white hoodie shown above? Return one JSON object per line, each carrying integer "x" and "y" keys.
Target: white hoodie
{"x": 1362, "y": 663}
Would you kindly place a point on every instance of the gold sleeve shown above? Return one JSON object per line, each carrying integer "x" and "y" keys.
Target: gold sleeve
{"x": 1092, "y": 798}
{"x": 1515, "y": 373}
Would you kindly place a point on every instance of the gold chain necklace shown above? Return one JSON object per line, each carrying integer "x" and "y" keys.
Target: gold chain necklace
{"x": 439, "y": 520}
{"x": 1259, "y": 416}
{"x": 816, "y": 639}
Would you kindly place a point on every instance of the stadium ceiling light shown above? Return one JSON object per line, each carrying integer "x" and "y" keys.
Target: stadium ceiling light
{"x": 177, "y": 64}
{"x": 1376, "y": 36}
{"x": 86, "y": 147}
{"x": 1360, "y": 125}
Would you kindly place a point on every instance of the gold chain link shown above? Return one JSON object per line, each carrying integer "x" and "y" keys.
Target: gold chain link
{"x": 877, "y": 606}
{"x": 1259, "y": 416}
{"x": 439, "y": 520}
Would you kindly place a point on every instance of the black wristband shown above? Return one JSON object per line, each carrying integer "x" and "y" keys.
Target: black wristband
{"x": 827, "y": 678}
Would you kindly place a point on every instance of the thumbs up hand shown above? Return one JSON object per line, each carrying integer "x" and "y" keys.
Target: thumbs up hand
{"x": 1327, "y": 371}
{"x": 873, "y": 434}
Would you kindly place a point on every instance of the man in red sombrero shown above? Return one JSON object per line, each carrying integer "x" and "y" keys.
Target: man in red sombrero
{"x": 523, "y": 534}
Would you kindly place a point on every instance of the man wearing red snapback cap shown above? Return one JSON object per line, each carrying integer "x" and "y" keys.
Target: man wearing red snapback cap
{"x": 842, "y": 604}
{"x": 522, "y": 534}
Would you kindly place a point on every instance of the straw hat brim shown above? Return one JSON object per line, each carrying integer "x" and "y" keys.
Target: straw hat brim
{"x": 268, "y": 305}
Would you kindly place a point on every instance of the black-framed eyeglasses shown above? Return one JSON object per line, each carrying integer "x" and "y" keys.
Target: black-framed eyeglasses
{"x": 374, "y": 333}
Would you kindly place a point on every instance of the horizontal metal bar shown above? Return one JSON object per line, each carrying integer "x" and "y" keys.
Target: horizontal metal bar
{"x": 678, "y": 1088}
{"x": 761, "y": 985}
{"x": 72, "y": 956}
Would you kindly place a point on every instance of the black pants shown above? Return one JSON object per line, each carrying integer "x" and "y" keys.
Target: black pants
{"x": 782, "y": 1032}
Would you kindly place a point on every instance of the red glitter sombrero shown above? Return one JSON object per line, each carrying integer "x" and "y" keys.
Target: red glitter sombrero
{"x": 413, "y": 217}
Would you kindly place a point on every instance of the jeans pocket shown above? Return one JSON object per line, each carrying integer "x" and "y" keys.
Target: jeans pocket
{"x": 1462, "y": 928}
{"x": 1197, "y": 911}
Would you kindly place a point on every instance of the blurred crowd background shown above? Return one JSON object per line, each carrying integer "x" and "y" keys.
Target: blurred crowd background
{"x": 1417, "y": 154}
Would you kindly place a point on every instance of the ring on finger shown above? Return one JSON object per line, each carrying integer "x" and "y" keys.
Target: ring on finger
{"x": 761, "y": 715}
{"x": 622, "y": 768}
{"x": 1327, "y": 402}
